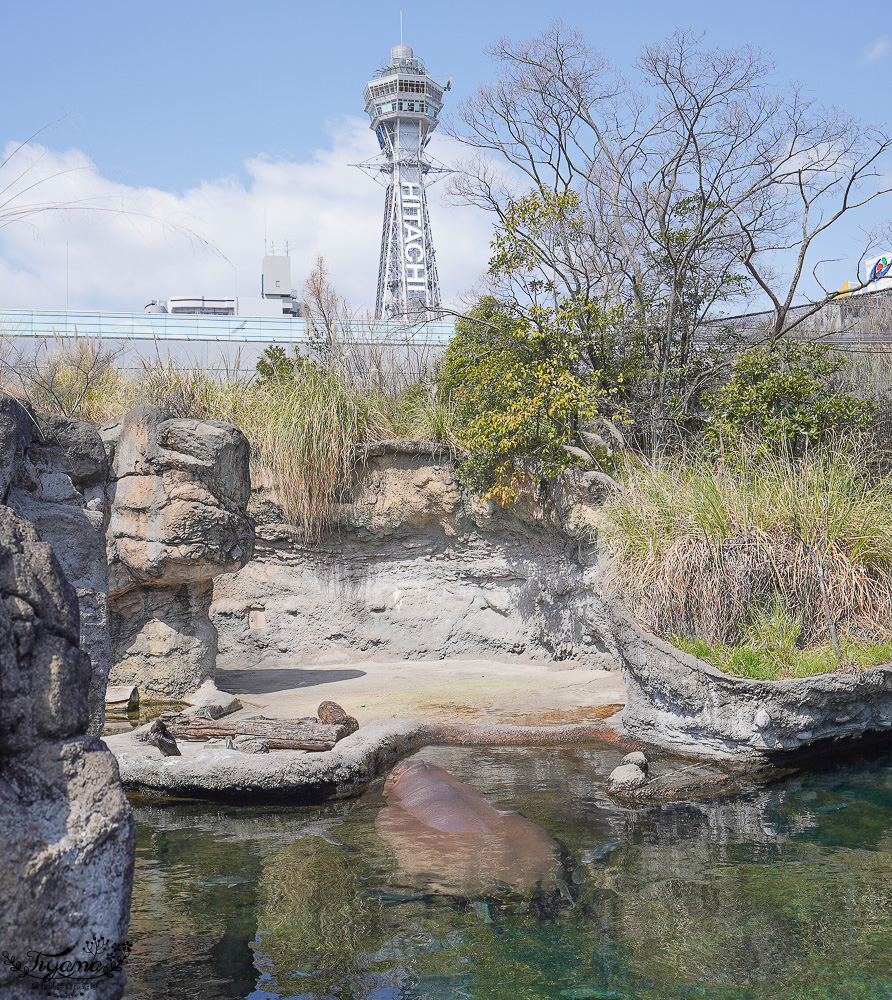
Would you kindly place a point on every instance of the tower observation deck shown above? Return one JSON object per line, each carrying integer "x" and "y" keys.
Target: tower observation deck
{"x": 404, "y": 103}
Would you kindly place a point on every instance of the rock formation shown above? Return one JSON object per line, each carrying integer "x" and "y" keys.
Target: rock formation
{"x": 416, "y": 567}
{"x": 178, "y": 490}
{"x": 68, "y": 835}
{"x": 148, "y": 509}
{"x": 53, "y": 472}
{"x": 419, "y": 568}
{"x": 682, "y": 703}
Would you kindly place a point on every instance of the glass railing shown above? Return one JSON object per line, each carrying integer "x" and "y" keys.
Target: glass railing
{"x": 47, "y": 324}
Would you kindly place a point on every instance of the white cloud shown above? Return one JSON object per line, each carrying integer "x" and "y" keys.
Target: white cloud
{"x": 878, "y": 50}
{"x": 134, "y": 248}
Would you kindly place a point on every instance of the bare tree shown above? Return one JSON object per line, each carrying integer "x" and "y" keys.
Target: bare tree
{"x": 354, "y": 344}
{"x": 694, "y": 184}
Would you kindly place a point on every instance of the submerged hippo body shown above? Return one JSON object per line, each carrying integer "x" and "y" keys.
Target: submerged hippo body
{"x": 446, "y": 834}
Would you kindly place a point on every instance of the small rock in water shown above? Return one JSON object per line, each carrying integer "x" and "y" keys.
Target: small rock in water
{"x": 637, "y": 758}
{"x": 626, "y": 778}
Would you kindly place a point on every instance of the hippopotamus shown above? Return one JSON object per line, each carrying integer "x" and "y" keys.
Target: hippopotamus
{"x": 445, "y": 834}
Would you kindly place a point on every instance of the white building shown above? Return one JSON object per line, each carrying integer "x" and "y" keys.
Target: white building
{"x": 277, "y": 298}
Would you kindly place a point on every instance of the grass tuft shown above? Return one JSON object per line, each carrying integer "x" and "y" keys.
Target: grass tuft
{"x": 726, "y": 551}
{"x": 772, "y": 664}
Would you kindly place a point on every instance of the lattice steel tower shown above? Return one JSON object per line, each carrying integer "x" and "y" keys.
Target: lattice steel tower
{"x": 403, "y": 103}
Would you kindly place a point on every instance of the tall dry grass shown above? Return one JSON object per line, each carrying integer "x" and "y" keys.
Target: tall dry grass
{"x": 705, "y": 546}
{"x": 304, "y": 432}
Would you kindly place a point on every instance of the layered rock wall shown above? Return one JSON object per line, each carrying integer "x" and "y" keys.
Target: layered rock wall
{"x": 418, "y": 568}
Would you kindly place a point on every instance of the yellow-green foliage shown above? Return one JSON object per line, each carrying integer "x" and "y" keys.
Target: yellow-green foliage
{"x": 519, "y": 394}
{"x": 707, "y": 548}
{"x": 535, "y": 231}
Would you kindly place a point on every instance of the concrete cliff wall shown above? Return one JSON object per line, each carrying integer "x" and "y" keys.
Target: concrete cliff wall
{"x": 416, "y": 567}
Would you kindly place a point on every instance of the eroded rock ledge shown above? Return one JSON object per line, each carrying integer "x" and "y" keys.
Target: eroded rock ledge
{"x": 684, "y": 704}
{"x": 210, "y": 771}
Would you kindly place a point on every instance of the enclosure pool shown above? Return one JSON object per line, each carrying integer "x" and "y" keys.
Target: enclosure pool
{"x": 784, "y": 892}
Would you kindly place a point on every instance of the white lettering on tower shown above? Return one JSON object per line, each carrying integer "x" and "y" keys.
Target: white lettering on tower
{"x": 413, "y": 235}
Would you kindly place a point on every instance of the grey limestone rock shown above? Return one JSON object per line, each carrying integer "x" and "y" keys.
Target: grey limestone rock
{"x": 637, "y": 758}
{"x": 178, "y": 491}
{"x": 251, "y": 744}
{"x": 66, "y": 854}
{"x": 625, "y": 779}
{"x": 52, "y": 472}
{"x": 210, "y": 703}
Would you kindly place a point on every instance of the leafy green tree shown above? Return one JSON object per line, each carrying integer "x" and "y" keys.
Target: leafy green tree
{"x": 519, "y": 391}
{"x": 786, "y": 395}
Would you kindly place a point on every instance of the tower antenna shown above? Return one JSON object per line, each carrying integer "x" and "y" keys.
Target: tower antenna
{"x": 404, "y": 103}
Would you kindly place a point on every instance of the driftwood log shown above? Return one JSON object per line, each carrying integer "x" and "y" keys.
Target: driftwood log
{"x": 280, "y": 734}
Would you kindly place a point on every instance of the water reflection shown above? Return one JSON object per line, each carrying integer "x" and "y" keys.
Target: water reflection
{"x": 785, "y": 892}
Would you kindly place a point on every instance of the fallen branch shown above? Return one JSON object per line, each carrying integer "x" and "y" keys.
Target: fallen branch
{"x": 281, "y": 734}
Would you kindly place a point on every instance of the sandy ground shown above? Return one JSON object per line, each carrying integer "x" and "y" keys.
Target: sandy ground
{"x": 441, "y": 690}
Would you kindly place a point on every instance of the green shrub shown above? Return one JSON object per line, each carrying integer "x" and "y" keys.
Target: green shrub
{"x": 787, "y": 395}
{"x": 519, "y": 394}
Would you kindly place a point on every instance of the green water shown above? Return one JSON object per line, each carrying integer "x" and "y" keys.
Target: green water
{"x": 783, "y": 892}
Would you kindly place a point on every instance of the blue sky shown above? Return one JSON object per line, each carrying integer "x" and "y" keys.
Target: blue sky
{"x": 185, "y": 105}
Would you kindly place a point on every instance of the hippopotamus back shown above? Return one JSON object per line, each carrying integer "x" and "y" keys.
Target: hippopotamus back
{"x": 444, "y": 831}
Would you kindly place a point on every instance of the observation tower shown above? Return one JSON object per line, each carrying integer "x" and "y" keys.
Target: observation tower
{"x": 404, "y": 103}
